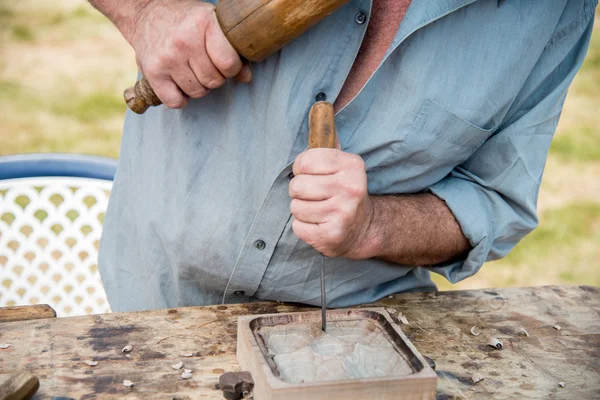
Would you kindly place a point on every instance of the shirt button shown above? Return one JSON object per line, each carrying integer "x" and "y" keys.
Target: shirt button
{"x": 360, "y": 18}
{"x": 321, "y": 96}
{"x": 260, "y": 244}
{"x": 239, "y": 293}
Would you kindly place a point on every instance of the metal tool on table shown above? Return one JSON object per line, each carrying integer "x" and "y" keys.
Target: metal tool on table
{"x": 322, "y": 133}
{"x": 255, "y": 28}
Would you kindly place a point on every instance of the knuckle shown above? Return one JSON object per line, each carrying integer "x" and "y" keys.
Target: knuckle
{"x": 180, "y": 42}
{"x": 299, "y": 163}
{"x": 293, "y": 188}
{"x": 204, "y": 16}
{"x": 336, "y": 236}
{"x": 175, "y": 103}
{"x": 294, "y": 207}
{"x": 357, "y": 162}
{"x": 163, "y": 60}
{"x": 297, "y": 230}
{"x": 354, "y": 190}
{"x": 172, "y": 101}
{"x": 215, "y": 83}
{"x": 198, "y": 92}
{"x": 231, "y": 64}
{"x": 151, "y": 69}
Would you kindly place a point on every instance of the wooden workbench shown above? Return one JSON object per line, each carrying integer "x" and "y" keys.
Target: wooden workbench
{"x": 528, "y": 367}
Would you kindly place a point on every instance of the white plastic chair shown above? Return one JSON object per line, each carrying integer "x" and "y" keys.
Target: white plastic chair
{"x": 51, "y": 212}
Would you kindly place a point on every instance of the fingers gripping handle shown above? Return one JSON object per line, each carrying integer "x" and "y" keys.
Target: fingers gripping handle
{"x": 322, "y": 132}
{"x": 141, "y": 96}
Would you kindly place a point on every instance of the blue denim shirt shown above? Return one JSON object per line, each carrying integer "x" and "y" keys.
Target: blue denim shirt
{"x": 464, "y": 105}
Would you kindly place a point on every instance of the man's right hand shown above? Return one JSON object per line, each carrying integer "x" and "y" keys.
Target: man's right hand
{"x": 181, "y": 49}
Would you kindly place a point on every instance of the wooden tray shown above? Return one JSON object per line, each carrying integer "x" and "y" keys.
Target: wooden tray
{"x": 253, "y": 356}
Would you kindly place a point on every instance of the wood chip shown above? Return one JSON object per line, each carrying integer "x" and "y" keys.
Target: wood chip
{"x": 186, "y": 354}
{"x": 476, "y": 377}
{"x": 128, "y": 355}
{"x": 5, "y": 345}
{"x": 495, "y": 343}
{"x": 189, "y": 371}
{"x": 473, "y": 389}
{"x": 177, "y": 366}
{"x": 186, "y": 374}
{"x": 390, "y": 310}
{"x": 474, "y": 331}
{"x": 127, "y": 383}
{"x": 557, "y": 327}
{"x": 403, "y": 319}
{"x": 562, "y": 384}
{"x": 91, "y": 363}
{"x": 523, "y": 332}
{"x": 127, "y": 349}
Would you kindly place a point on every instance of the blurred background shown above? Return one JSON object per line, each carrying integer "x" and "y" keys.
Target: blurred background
{"x": 63, "y": 67}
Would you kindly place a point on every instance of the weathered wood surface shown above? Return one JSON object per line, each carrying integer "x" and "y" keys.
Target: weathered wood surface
{"x": 23, "y": 313}
{"x": 527, "y": 367}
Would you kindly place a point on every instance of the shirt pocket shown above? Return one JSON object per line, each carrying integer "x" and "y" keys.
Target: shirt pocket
{"x": 435, "y": 122}
{"x": 426, "y": 150}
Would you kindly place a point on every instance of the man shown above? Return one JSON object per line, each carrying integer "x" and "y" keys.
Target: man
{"x": 445, "y": 113}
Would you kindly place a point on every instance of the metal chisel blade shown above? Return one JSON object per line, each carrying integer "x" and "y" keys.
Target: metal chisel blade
{"x": 323, "y": 299}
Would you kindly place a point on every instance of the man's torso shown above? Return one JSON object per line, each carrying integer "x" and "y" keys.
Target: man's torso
{"x": 199, "y": 212}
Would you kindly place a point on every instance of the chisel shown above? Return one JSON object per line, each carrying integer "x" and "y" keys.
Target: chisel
{"x": 322, "y": 134}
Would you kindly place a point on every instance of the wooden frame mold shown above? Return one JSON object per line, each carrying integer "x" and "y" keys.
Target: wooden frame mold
{"x": 253, "y": 357}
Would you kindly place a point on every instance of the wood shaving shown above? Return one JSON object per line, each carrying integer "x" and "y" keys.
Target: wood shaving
{"x": 403, "y": 319}
{"x": 91, "y": 363}
{"x": 557, "y": 327}
{"x": 127, "y": 383}
{"x": 186, "y": 354}
{"x": 562, "y": 384}
{"x": 5, "y": 345}
{"x": 523, "y": 332}
{"x": 127, "y": 349}
{"x": 128, "y": 355}
{"x": 495, "y": 343}
{"x": 476, "y": 377}
{"x": 186, "y": 374}
{"x": 390, "y": 310}
{"x": 177, "y": 366}
{"x": 187, "y": 371}
{"x": 473, "y": 331}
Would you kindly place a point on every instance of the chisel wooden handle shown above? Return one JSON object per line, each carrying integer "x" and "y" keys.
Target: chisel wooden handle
{"x": 321, "y": 126}
{"x": 255, "y": 28}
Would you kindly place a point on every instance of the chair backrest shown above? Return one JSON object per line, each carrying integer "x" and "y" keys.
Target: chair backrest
{"x": 51, "y": 214}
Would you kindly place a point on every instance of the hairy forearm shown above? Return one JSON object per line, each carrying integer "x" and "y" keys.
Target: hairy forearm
{"x": 123, "y": 13}
{"x": 416, "y": 229}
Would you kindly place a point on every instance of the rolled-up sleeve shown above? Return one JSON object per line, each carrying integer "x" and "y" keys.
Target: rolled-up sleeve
{"x": 493, "y": 194}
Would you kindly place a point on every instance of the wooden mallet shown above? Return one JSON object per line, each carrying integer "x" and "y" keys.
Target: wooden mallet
{"x": 255, "y": 28}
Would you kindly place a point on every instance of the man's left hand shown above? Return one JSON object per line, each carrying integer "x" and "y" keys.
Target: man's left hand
{"x": 331, "y": 205}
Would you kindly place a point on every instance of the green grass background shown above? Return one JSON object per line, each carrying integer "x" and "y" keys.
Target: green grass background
{"x": 64, "y": 66}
